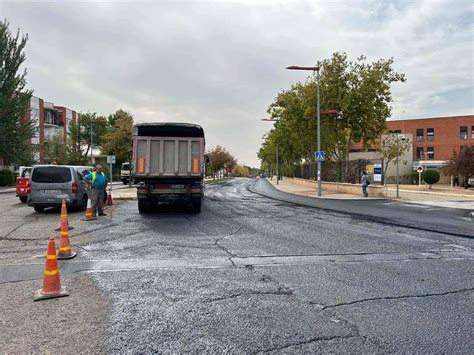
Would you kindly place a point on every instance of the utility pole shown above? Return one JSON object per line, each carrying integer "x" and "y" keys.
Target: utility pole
{"x": 91, "y": 141}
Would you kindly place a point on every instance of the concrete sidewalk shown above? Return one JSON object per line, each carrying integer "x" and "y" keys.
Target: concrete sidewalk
{"x": 124, "y": 193}
{"x": 292, "y": 188}
{"x": 439, "y": 196}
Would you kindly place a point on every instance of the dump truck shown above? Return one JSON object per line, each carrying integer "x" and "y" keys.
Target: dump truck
{"x": 169, "y": 163}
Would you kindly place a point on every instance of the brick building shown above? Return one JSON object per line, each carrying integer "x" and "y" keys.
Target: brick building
{"x": 433, "y": 142}
{"x": 436, "y": 138}
{"x": 51, "y": 120}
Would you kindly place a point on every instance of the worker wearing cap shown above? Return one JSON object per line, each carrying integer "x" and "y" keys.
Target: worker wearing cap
{"x": 97, "y": 181}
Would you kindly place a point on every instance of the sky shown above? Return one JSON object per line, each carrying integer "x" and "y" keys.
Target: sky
{"x": 220, "y": 64}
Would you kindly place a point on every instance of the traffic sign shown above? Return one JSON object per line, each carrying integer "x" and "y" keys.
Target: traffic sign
{"x": 110, "y": 159}
{"x": 320, "y": 156}
{"x": 419, "y": 169}
{"x": 378, "y": 172}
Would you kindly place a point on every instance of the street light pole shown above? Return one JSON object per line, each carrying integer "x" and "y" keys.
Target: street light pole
{"x": 277, "y": 167}
{"x": 319, "y": 132}
{"x": 276, "y": 152}
{"x": 314, "y": 69}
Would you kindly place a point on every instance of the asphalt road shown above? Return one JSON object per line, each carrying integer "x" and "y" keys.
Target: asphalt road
{"x": 249, "y": 274}
{"x": 454, "y": 221}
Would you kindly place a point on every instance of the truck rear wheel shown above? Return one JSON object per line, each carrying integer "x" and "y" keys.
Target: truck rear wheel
{"x": 197, "y": 202}
{"x": 23, "y": 199}
{"x": 143, "y": 205}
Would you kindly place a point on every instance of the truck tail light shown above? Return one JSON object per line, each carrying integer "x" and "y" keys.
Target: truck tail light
{"x": 28, "y": 188}
{"x": 74, "y": 188}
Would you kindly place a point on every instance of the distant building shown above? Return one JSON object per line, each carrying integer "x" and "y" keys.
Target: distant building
{"x": 51, "y": 120}
{"x": 434, "y": 140}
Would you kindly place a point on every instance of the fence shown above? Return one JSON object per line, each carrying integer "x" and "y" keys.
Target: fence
{"x": 332, "y": 171}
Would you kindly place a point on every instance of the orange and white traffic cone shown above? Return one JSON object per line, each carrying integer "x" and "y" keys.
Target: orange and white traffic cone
{"x": 63, "y": 217}
{"x": 65, "y": 251}
{"x": 89, "y": 212}
{"x": 109, "y": 198}
{"x": 51, "y": 283}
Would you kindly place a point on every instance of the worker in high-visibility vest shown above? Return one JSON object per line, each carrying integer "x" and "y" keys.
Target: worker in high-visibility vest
{"x": 97, "y": 181}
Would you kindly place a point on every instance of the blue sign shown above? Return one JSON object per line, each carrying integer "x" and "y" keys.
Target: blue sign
{"x": 320, "y": 156}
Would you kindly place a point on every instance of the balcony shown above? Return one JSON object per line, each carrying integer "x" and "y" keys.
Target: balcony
{"x": 52, "y": 131}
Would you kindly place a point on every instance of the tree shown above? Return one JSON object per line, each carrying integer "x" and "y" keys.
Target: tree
{"x": 219, "y": 158}
{"x": 61, "y": 150}
{"x": 15, "y": 130}
{"x": 90, "y": 122}
{"x": 241, "y": 171}
{"x": 360, "y": 90}
{"x": 430, "y": 176}
{"x": 461, "y": 163}
{"x": 118, "y": 140}
{"x": 392, "y": 148}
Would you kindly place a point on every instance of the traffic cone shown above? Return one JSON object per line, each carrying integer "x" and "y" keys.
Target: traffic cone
{"x": 65, "y": 251}
{"x": 63, "y": 217}
{"x": 51, "y": 283}
{"x": 109, "y": 198}
{"x": 89, "y": 212}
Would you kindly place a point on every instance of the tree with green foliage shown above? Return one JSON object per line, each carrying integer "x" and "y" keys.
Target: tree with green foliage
{"x": 16, "y": 130}
{"x": 88, "y": 122}
{"x": 392, "y": 148}
{"x": 118, "y": 139}
{"x": 220, "y": 158}
{"x": 359, "y": 91}
{"x": 430, "y": 176}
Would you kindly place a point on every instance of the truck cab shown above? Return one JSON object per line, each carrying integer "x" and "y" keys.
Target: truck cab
{"x": 169, "y": 164}
{"x": 125, "y": 172}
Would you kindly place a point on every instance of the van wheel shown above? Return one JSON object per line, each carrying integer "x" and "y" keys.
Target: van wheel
{"x": 125, "y": 182}
{"x": 197, "y": 202}
{"x": 39, "y": 209}
{"x": 143, "y": 205}
{"x": 23, "y": 199}
{"x": 84, "y": 203}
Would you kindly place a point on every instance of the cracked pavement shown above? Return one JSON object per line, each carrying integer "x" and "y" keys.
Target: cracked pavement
{"x": 249, "y": 274}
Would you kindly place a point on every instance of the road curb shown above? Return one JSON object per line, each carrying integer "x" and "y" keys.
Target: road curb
{"x": 7, "y": 191}
{"x": 125, "y": 198}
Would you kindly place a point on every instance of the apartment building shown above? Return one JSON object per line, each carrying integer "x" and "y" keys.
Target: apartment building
{"x": 50, "y": 120}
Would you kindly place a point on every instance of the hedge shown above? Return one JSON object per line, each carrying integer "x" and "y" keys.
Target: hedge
{"x": 7, "y": 177}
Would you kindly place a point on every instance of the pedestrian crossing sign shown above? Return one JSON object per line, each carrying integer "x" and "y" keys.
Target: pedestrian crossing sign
{"x": 320, "y": 155}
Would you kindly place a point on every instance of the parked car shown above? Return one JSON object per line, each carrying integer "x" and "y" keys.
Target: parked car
{"x": 22, "y": 183}
{"x": 50, "y": 184}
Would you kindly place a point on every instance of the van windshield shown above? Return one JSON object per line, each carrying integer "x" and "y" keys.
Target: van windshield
{"x": 51, "y": 174}
{"x": 126, "y": 166}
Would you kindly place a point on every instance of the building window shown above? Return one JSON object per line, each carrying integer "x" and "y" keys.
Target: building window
{"x": 463, "y": 132}
{"x": 472, "y": 132}
{"x": 430, "y": 153}
{"x": 430, "y": 134}
{"x": 395, "y": 131}
{"x": 419, "y": 134}
{"x": 419, "y": 153}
